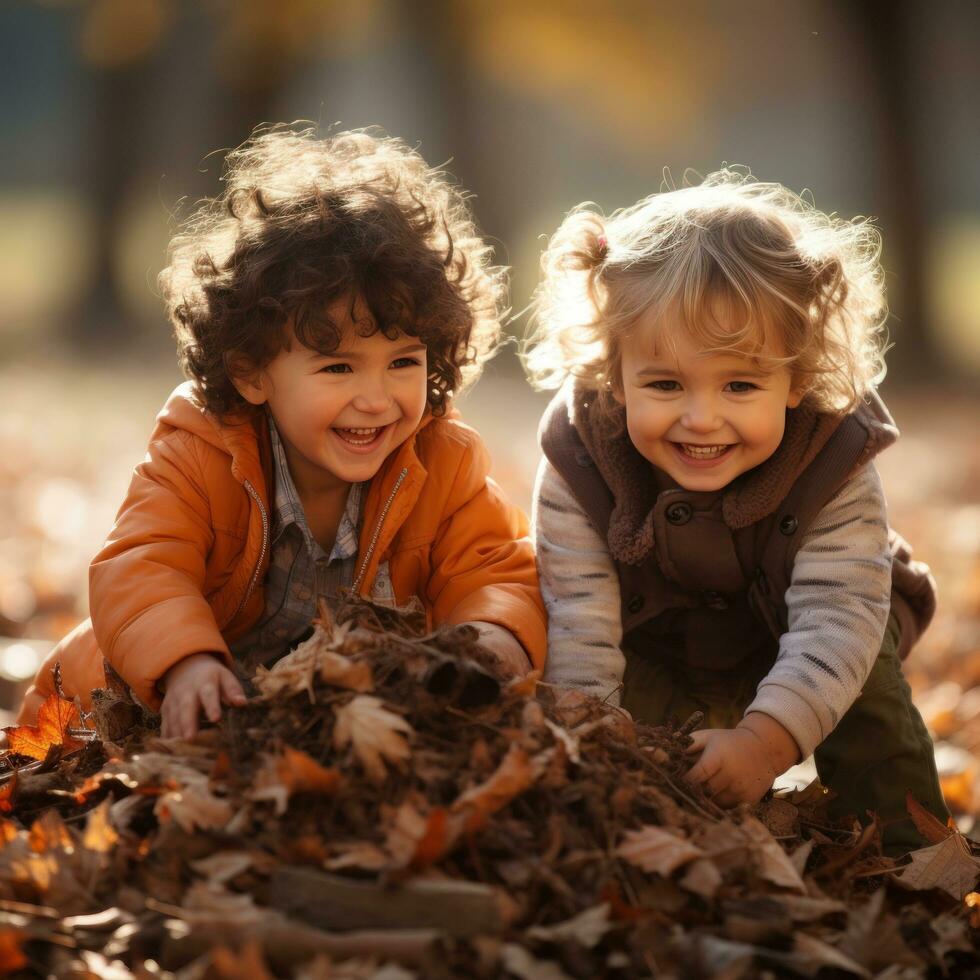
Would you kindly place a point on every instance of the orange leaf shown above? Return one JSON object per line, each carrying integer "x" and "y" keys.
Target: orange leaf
{"x": 249, "y": 962}
{"x": 11, "y": 955}
{"x": 434, "y": 841}
{"x": 524, "y": 687}
{"x": 53, "y": 721}
{"x": 301, "y": 773}
{"x": 514, "y": 775}
{"x": 932, "y": 828}
{"x": 8, "y": 832}
{"x": 6, "y": 794}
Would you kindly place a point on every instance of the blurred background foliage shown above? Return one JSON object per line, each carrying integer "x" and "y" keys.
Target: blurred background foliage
{"x": 117, "y": 113}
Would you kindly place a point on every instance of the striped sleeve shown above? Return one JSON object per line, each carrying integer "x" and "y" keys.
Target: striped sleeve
{"x": 838, "y": 603}
{"x": 580, "y": 588}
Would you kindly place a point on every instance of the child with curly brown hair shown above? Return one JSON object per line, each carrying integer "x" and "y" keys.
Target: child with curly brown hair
{"x": 328, "y": 306}
{"x": 710, "y": 528}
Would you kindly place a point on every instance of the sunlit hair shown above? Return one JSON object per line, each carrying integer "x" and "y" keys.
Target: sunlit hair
{"x": 306, "y": 221}
{"x": 742, "y": 266}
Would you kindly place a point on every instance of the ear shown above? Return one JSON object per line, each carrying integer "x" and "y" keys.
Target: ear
{"x": 794, "y": 397}
{"x": 250, "y": 383}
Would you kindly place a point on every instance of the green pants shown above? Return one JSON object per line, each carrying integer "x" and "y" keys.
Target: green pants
{"x": 878, "y": 751}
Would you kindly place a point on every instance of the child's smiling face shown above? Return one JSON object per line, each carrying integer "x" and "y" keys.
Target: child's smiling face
{"x": 340, "y": 415}
{"x": 703, "y": 418}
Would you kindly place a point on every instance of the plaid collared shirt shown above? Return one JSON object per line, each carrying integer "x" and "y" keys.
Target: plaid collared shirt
{"x": 300, "y": 570}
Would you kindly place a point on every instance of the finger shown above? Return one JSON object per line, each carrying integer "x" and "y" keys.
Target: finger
{"x": 698, "y": 741}
{"x": 210, "y": 700}
{"x": 702, "y": 771}
{"x": 231, "y": 689}
{"x": 166, "y": 720}
{"x": 187, "y": 718}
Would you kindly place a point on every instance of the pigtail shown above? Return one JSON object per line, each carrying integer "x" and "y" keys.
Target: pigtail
{"x": 565, "y": 335}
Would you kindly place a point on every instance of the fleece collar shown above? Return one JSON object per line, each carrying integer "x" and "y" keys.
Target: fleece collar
{"x": 635, "y": 484}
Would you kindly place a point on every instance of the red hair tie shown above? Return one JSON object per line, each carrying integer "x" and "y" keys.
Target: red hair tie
{"x": 603, "y": 246}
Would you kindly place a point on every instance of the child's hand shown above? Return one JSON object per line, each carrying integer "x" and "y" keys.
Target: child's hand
{"x": 198, "y": 681}
{"x": 512, "y": 659}
{"x": 739, "y": 765}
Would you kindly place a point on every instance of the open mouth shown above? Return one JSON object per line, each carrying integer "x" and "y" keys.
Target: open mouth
{"x": 361, "y": 439}
{"x": 694, "y": 453}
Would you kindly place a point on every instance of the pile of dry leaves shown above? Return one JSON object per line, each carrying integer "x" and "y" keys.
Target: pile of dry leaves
{"x": 385, "y": 807}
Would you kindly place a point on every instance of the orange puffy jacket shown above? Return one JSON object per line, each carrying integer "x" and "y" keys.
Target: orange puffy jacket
{"x": 183, "y": 569}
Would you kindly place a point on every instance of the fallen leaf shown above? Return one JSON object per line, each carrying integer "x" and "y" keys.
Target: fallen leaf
{"x": 11, "y": 954}
{"x": 377, "y": 734}
{"x": 517, "y": 960}
{"x": 587, "y": 928}
{"x": 100, "y": 835}
{"x": 49, "y": 833}
{"x": 341, "y": 671}
{"x": 656, "y": 850}
{"x": 249, "y": 962}
{"x": 873, "y": 936}
{"x": 523, "y": 687}
{"x": 772, "y": 862}
{"x": 702, "y": 877}
{"x": 221, "y": 867}
{"x": 54, "y": 719}
{"x": 948, "y": 866}
{"x": 930, "y": 826}
{"x": 514, "y": 775}
{"x": 820, "y": 954}
{"x": 193, "y": 807}
{"x": 313, "y": 658}
{"x": 290, "y": 772}
{"x": 7, "y": 794}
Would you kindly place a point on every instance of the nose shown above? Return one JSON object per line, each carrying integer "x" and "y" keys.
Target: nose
{"x": 373, "y": 396}
{"x": 700, "y": 415}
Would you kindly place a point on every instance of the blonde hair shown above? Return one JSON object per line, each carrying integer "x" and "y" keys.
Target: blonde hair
{"x": 791, "y": 277}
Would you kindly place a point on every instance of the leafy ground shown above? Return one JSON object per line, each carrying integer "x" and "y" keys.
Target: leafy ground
{"x": 384, "y": 806}
{"x": 67, "y": 443}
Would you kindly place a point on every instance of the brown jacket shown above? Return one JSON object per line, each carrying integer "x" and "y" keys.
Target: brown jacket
{"x": 182, "y": 571}
{"x": 707, "y": 573}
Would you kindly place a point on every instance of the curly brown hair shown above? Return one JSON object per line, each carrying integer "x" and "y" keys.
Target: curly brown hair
{"x": 305, "y": 221}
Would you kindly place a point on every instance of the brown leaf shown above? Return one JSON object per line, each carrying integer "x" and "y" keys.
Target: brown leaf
{"x": 656, "y": 850}
{"x": 587, "y": 928}
{"x": 772, "y": 862}
{"x": 377, "y": 734}
{"x": 54, "y": 719}
{"x": 316, "y": 657}
{"x": 702, "y": 877}
{"x": 514, "y": 775}
{"x": 931, "y": 827}
{"x": 948, "y": 866}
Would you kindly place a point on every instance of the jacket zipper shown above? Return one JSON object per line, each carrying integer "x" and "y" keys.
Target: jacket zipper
{"x": 377, "y": 530}
{"x": 265, "y": 547}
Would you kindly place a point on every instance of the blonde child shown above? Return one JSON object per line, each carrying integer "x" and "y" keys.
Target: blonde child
{"x": 710, "y": 528}
{"x": 327, "y": 308}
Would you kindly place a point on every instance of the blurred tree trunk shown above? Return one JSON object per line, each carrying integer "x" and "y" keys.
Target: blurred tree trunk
{"x": 884, "y": 30}
{"x": 115, "y": 140}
